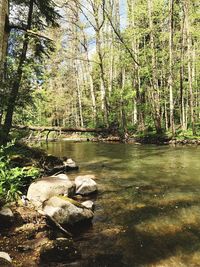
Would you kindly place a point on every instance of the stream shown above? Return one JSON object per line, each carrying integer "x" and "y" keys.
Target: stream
{"x": 147, "y": 211}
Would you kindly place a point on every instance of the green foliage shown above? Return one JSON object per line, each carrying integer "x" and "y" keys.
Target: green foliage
{"x": 13, "y": 181}
{"x": 137, "y": 97}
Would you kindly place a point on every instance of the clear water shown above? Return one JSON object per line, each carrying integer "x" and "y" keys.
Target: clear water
{"x": 148, "y": 206}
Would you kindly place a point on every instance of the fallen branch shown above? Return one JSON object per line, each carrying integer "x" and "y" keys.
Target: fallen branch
{"x": 60, "y": 129}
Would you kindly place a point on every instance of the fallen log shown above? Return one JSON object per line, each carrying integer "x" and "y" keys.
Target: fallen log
{"x": 60, "y": 129}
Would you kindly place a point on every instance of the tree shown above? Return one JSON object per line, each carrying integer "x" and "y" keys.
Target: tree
{"x": 3, "y": 31}
{"x": 141, "y": 75}
{"x": 3, "y": 49}
{"x": 45, "y": 10}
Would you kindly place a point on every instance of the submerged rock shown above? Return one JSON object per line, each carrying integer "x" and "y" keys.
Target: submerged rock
{"x": 85, "y": 185}
{"x": 46, "y": 187}
{"x": 59, "y": 250}
{"x": 6, "y": 217}
{"x": 66, "y": 211}
{"x": 70, "y": 164}
{"x": 54, "y": 165}
{"x": 5, "y": 260}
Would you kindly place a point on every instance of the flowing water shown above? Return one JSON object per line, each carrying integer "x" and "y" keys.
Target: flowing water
{"x": 147, "y": 211}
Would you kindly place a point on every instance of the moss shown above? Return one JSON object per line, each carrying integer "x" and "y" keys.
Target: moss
{"x": 72, "y": 201}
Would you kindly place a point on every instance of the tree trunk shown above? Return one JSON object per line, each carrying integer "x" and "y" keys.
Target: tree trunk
{"x": 79, "y": 96}
{"x": 154, "y": 81}
{"x": 122, "y": 108}
{"x": 182, "y": 98}
{"x": 3, "y": 49}
{"x": 3, "y": 32}
{"x": 104, "y": 105}
{"x": 189, "y": 55}
{"x": 90, "y": 80}
{"x": 170, "y": 81}
{"x": 16, "y": 84}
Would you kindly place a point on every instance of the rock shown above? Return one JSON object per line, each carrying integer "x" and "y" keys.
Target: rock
{"x": 62, "y": 176}
{"x": 66, "y": 211}
{"x": 54, "y": 164}
{"x": 59, "y": 250}
{"x": 46, "y": 187}
{"x": 5, "y": 259}
{"x": 70, "y": 164}
{"x": 88, "y": 204}
{"x": 85, "y": 185}
{"x": 6, "y": 217}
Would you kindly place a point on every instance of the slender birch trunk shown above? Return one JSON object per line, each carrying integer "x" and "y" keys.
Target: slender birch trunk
{"x": 189, "y": 64}
{"x": 154, "y": 81}
{"x": 170, "y": 81}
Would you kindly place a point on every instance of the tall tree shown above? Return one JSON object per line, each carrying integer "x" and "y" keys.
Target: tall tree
{"x": 170, "y": 81}
{"x": 186, "y": 7}
{"x": 46, "y": 10}
{"x": 3, "y": 49}
{"x": 3, "y": 30}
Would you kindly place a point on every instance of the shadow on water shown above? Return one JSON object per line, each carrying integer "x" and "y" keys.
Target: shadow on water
{"x": 139, "y": 215}
{"x": 148, "y": 207}
{"x": 148, "y": 248}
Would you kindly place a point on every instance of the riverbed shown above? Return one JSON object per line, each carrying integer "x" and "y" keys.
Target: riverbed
{"x": 147, "y": 211}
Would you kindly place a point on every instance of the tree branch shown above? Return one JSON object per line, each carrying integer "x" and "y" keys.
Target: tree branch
{"x": 30, "y": 32}
{"x": 129, "y": 50}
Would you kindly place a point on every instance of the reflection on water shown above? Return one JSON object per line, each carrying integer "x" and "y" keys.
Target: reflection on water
{"x": 148, "y": 207}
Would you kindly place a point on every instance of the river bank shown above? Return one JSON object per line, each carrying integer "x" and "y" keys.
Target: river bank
{"x": 148, "y": 200}
{"x": 137, "y": 140}
{"x": 147, "y": 210}
{"x": 34, "y": 230}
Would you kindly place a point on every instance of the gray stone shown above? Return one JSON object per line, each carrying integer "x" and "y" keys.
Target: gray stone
{"x": 62, "y": 176}
{"x": 6, "y": 217}
{"x": 66, "y": 211}
{"x": 5, "y": 259}
{"x": 88, "y": 204}
{"x": 46, "y": 187}
{"x": 85, "y": 185}
{"x": 70, "y": 163}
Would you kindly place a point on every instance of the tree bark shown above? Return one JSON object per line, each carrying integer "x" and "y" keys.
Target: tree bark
{"x": 154, "y": 81}
{"x": 16, "y": 84}
{"x": 189, "y": 61}
{"x": 182, "y": 98}
{"x": 170, "y": 81}
{"x": 4, "y": 33}
{"x": 60, "y": 129}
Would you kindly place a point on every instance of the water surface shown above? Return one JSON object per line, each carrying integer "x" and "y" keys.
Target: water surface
{"x": 148, "y": 206}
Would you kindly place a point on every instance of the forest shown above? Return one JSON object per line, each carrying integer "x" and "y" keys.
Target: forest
{"x": 99, "y": 133}
{"x": 131, "y": 65}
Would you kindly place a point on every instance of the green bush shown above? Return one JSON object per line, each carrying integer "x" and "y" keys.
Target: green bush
{"x": 13, "y": 181}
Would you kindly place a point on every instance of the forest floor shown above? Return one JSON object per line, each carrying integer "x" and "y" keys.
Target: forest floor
{"x": 28, "y": 230}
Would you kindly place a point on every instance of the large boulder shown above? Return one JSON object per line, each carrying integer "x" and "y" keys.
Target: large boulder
{"x": 46, "y": 187}
{"x": 66, "y": 211}
{"x": 59, "y": 250}
{"x": 6, "y": 217}
{"x": 5, "y": 260}
{"x": 85, "y": 185}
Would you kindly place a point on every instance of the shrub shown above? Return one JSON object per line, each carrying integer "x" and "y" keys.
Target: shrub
{"x": 13, "y": 181}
